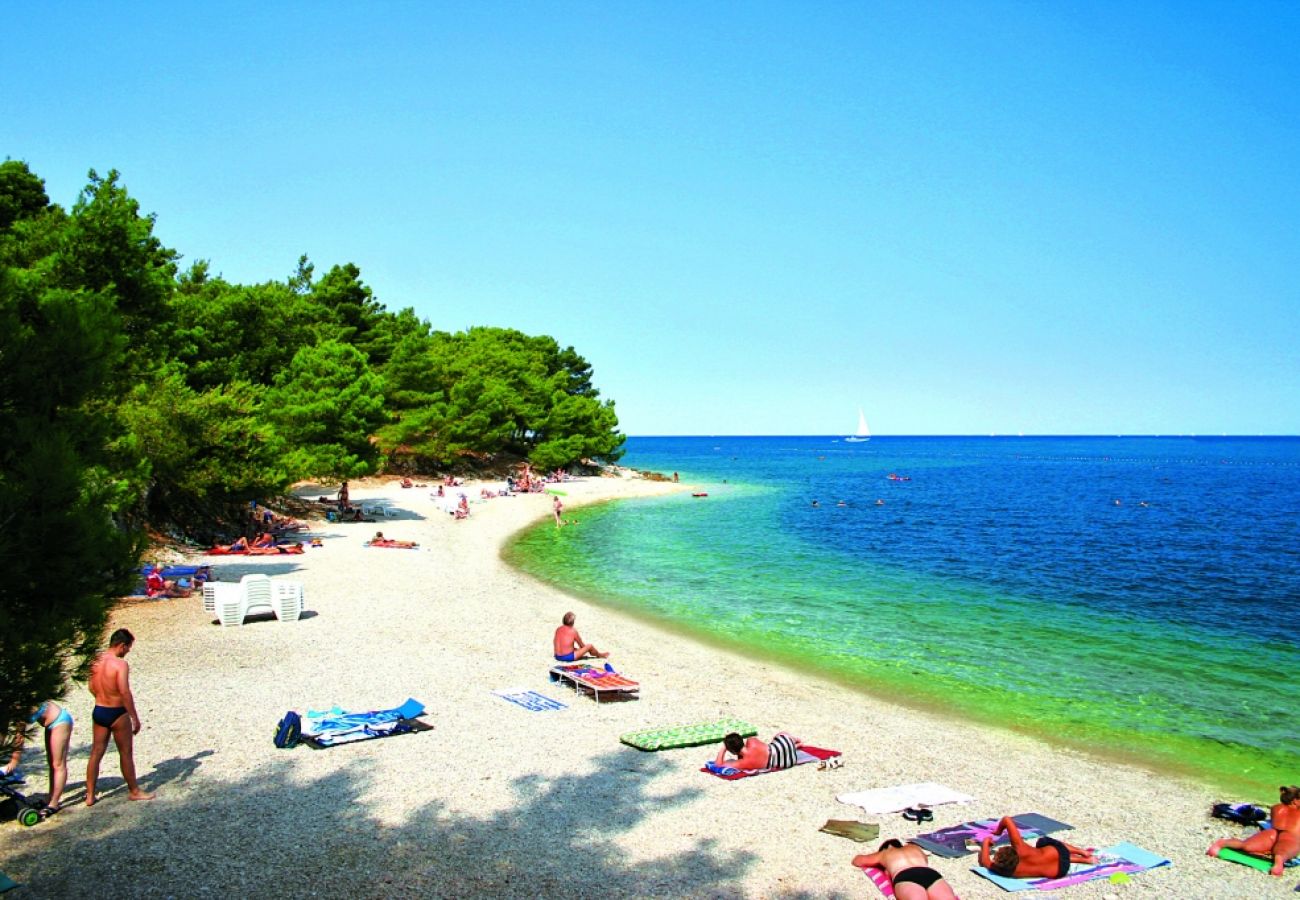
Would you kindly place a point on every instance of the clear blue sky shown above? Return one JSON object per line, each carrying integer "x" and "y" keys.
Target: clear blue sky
{"x": 751, "y": 218}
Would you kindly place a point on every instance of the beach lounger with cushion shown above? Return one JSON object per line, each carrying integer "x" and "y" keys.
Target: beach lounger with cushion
{"x": 582, "y": 677}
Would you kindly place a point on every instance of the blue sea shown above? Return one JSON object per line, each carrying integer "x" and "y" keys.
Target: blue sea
{"x": 1137, "y": 597}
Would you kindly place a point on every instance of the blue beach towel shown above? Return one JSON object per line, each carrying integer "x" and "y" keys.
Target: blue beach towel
{"x": 1125, "y": 858}
{"x": 529, "y": 700}
{"x": 328, "y": 729}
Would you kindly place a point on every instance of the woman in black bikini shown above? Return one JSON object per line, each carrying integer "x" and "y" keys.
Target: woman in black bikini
{"x": 906, "y": 865}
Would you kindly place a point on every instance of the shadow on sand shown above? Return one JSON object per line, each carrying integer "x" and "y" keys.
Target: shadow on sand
{"x": 273, "y": 833}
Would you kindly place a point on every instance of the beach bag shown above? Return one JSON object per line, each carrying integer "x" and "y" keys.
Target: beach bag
{"x": 288, "y": 732}
{"x": 1241, "y": 813}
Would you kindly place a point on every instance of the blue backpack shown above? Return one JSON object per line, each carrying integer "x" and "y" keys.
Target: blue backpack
{"x": 289, "y": 731}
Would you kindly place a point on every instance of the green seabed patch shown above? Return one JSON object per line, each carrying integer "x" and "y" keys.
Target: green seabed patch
{"x": 1070, "y": 683}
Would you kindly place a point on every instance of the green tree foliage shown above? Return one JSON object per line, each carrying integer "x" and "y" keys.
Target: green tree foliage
{"x": 205, "y": 448}
{"x": 326, "y": 405}
{"x": 62, "y": 557}
{"x": 108, "y": 245}
{"x": 22, "y": 193}
{"x": 226, "y": 333}
{"x": 497, "y": 390}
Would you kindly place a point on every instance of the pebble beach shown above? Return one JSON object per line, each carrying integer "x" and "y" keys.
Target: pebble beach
{"x": 501, "y": 801}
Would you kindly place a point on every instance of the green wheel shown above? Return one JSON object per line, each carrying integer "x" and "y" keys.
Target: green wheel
{"x": 29, "y": 817}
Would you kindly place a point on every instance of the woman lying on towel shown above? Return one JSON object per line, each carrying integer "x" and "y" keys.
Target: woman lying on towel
{"x": 1279, "y": 843}
{"x": 380, "y": 541}
{"x": 755, "y": 754}
{"x": 1049, "y": 858}
{"x": 908, "y": 871}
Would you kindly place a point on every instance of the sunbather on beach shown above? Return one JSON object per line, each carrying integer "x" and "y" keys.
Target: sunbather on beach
{"x": 752, "y": 753}
{"x": 265, "y": 539}
{"x": 569, "y": 645}
{"x": 1281, "y": 842}
{"x": 912, "y": 877}
{"x": 380, "y": 541}
{"x": 239, "y": 545}
{"x": 1049, "y": 858}
{"x": 58, "y": 734}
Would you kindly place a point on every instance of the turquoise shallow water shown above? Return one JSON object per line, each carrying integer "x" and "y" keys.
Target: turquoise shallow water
{"x": 1002, "y": 581}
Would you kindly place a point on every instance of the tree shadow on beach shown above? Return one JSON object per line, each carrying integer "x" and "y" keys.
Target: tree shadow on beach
{"x": 273, "y": 833}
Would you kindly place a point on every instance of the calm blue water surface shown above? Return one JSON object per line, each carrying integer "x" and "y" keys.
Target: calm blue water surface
{"x": 1138, "y": 595}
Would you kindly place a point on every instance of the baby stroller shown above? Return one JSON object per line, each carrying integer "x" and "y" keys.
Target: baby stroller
{"x": 29, "y": 811}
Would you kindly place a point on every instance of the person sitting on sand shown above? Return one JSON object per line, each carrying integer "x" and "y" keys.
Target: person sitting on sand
{"x": 1049, "y": 858}
{"x": 1280, "y": 843}
{"x": 157, "y": 586}
{"x": 58, "y": 734}
{"x": 908, "y": 869}
{"x": 380, "y": 541}
{"x": 751, "y": 753}
{"x": 265, "y": 539}
{"x": 568, "y": 643}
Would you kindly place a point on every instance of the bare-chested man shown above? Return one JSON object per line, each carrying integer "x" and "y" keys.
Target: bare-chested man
{"x": 114, "y": 714}
{"x": 752, "y": 753}
{"x": 1279, "y": 843}
{"x": 568, "y": 643}
{"x": 1048, "y": 858}
{"x": 907, "y": 866}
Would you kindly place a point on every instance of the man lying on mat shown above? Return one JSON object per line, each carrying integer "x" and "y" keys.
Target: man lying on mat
{"x": 1049, "y": 858}
{"x": 907, "y": 866}
{"x": 755, "y": 754}
{"x": 568, "y": 643}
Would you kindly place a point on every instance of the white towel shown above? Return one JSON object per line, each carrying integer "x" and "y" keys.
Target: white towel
{"x": 892, "y": 799}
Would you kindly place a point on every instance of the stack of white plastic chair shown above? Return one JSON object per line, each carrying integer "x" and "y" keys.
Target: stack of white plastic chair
{"x": 256, "y": 591}
{"x": 225, "y": 602}
{"x": 287, "y": 598}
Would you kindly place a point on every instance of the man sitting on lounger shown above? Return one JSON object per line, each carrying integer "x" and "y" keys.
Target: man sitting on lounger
{"x": 1049, "y": 858}
{"x": 752, "y": 753}
{"x": 908, "y": 871}
{"x": 568, "y": 643}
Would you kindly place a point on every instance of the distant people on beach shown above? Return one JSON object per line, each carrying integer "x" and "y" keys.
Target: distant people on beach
{"x": 344, "y": 505}
{"x": 557, "y": 507}
{"x": 909, "y": 871}
{"x": 753, "y": 753}
{"x": 380, "y": 541}
{"x": 157, "y": 586}
{"x": 569, "y": 646}
{"x": 1279, "y": 843}
{"x": 238, "y": 545}
{"x": 675, "y": 478}
{"x": 114, "y": 715}
{"x": 57, "y": 723}
{"x": 1048, "y": 858}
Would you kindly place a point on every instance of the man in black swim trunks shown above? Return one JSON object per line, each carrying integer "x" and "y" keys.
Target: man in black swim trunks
{"x": 114, "y": 715}
{"x": 906, "y": 865}
{"x": 1049, "y": 858}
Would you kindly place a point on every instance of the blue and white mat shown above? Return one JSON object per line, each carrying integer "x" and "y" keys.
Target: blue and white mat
{"x": 529, "y": 700}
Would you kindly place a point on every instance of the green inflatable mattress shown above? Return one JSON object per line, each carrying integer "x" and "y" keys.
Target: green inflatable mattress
{"x": 675, "y": 736}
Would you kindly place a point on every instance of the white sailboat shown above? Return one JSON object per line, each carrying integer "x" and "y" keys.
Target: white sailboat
{"x": 863, "y": 433}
